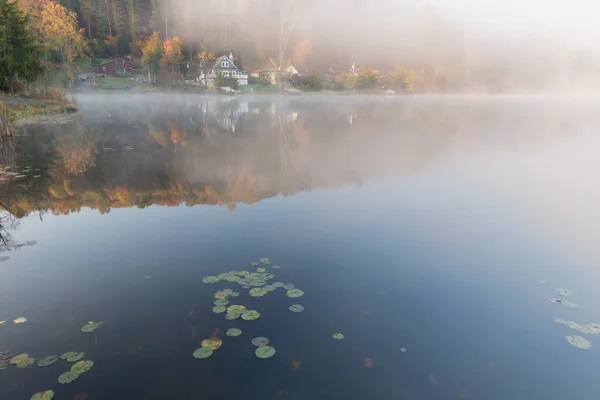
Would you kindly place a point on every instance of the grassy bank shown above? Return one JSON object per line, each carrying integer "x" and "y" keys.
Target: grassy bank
{"x": 38, "y": 107}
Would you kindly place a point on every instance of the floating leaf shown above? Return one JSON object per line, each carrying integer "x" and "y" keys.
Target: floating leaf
{"x": 235, "y": 294}
{"x": 573, "y": 325}
{"x": 45, "y": 395}
{"x": 294, "y": 293}
{"x": 403, "y": 350}
{"x": 4, "y": 258}
{"x": 246, "y": 287}
{"x": 25, "y": 363}
{"x": 257, "y": 292}
{"x": 212, "y": 343}
{"x": 559, "y": 320}
{"x": 233, "y": 315}
{"x": 264, "y": 260}
{"x": 91, "y": 326}
{"x": 563, "y": 292}
{"x": 221, "y": 302}
{"x": 236, "y": 308}
{"x": 269, "y": 288}
{"x": 220, "y": 295}
{"x": 243, "y": 273}
{"x": 47, "y": 361}
{"x": 72, "y": 356}
{"x": 254, "y": 263}
{"x": 20, "y": 320}
{"x": 67, "y": 377}
{"x": 338, "y": 336}
{"x": 594, "y": 328}
{"x": 278, "y": 284}
{"x": 227, "y": 291}
{"x": 210, "y": 279}
{"x": 233, "y": 278}
{"x": 29, "y": 243}
{"x": 289, "y": 286}
{"x": 265, "y": 352}
{"x": 570, "y": 304}
{"x": 223, "y": 275}
{"x": 275, "y": 267}
{"x": 296, "y": 308}
{"x": 579, "y": 342}
{"x": 268, "y": 276}
{"x": 234, "y": 332}
{"x": 82, "y": 366}
{"x": 554, "y": 300}
{"x": 219, "y": 309}
{"x": 260, "y": 270}
{"x": 250, "y": 315}
{"x": 258, "y": 283}
{"x": 203, "y": 352}
{"x": 19, "y": 358}
{"x": 260, "y": 341}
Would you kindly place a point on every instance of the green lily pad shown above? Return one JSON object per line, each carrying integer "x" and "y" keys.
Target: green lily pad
{"x": 19, "y": 358}
{"x": 47, "y": 361}
{"x": 243, "y": 273}
{"x": 221, "y": 302}
{"x": 563, "y": 292}
{"x": 268, "y": 276}
{"x": 244, "y": 282}
{"x": 579, "y": 342}
{"x": 45, "y": 395}
{"x": 223, "y": 275}
{"x": 29, "y": 243}
{"x": 570, "y": 304}
{"x": 233, "y": 278}
{"x": 289, "y": 286}
{"x": 258, "y": 283}
{"x": 257, "y": 292}
{"x": 212, "y": 343}
{"x": 269, "y": 288}
{"x": 254, "y": 263}
{"x": 203, "y": 352}
{"x": 82, "y": 366}
{"x": 296, "y": 308}
{"x": 235, "y": 294}
{"x": 265, "y": 261}
{"x": 260, "y": 341}
{"x": 278, "y": 284}
{"x": 261, "y": 269}
{"x": 67, "y": 377}
{"x": 554, "y": 300}
{"x": 26, "y": 363}
{"x": 91, "y": 326}
{"x": 594, "y": 328}
{"x": 294, "y": 293}
{"x": 210, "y": 279}
{"x": 233, "y": 315}
{"x": 233, "y": 332}
{"x": 219, "y": 309}
{"x": 265, "y": 352}
{"x": 72, "y": 356}
{"x": 227, "y": 291}
{"x": 275, "y": 267}
{"x": 220, "y": 296}
{"x": 250, "y": 315}
{"x": 3, "y": 366}
{"x": 236, "y": 308}
{"x": 246, "y": 287}
{"x": 338, "y": 336}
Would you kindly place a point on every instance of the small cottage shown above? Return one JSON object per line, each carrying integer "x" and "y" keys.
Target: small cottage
{"x": 118, "y": 65}
{"x": 226, "y": 67}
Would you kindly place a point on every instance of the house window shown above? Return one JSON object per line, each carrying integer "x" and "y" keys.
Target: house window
{"x": 120, "y": 61}
{"x": 224, "y": 64}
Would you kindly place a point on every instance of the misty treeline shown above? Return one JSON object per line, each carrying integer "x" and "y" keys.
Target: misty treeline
{"x": 405, "y": 45}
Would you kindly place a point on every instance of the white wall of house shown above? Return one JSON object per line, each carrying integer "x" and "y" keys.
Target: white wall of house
{"x": 210, "y": 77}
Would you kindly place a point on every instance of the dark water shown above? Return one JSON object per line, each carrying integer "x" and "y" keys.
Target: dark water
{"x": 419, "y": 223}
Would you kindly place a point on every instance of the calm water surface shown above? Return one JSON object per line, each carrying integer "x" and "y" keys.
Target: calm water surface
{"x": 439, "y": 225}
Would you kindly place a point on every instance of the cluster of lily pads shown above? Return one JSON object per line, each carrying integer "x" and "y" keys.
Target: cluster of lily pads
{"x": 5, "y": 247}
{"x": 91, "y": 326}
{"x": 587, "y": 329}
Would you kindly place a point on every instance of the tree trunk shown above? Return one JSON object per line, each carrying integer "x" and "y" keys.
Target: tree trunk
{"x": 11, "y": 82}
{"x": 108, "y": 17}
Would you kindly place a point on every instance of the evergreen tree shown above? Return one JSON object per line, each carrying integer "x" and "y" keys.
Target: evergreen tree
{"x": 21, "y": 55}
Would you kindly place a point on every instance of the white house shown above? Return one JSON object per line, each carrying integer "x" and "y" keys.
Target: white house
{"x": 270, "y": 73}
{"x": 225, "y": 66}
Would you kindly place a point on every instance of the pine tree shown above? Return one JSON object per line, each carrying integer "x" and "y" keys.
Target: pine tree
{"x": 21, "y": 54}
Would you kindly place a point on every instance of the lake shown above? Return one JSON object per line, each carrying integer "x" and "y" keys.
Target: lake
{"x": 429, "y": 231}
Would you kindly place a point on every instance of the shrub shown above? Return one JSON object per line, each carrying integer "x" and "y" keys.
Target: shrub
{"x": 307, "y": 83}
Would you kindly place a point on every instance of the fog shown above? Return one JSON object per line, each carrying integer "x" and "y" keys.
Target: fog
{"x": 510, "y": 46}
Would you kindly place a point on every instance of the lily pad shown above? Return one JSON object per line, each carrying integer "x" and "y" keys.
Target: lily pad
{"x": 235, "y": 294}
{"x": 296, "y": 308}
{"x": 579, "y": 342}
{"x": 227, "y": 291}
{"x": 26, "y": 363}
{"x": 221, "y": 302}
{"x": 220, "y": 295}
{"x": 19, "y": 358}
{"x": 554, "y": 300}
{"x": 275, "y": 267}
{"x": 243, "y": 273}
{"x": 72, "y": 356}
{"x": 338, "y": 336}
{"x": 210, "y": 279}
{"x": 594, "y": 328}
{"x": 268, "y": 276}
{"x": 236, "y": 308}
{"x": 559, "y": 321}
{"x": 203, "y": 352}
{"x": 82, "y": 366}
{"x": 91, "y": 326}
{"x": 219, "y": 309}
{"x": 233, "y": 315}
{"x": 260, "y": 341}
{"x": 233, "y": 332}
{"x": 265, "y": 352}
{"x": 289, "y": 286}
{"x": 278, "y": 284}
{"x": 246, "y": 287}
{"x": 294, "y": 293}
{"x": 47, "y": 361}
{"x": 563, "y": 292}
{"x": 264, "y": 260}
{"x": 258, "y": 282}
{"x": 250, "y": 315}
{"x": 233, "y": 278}
{"x": 254, "y": 263}
{"x": 29, "y": 243}
{"x": 45, "y": 395}
{"x": 573, "y": 325}
{"x": 244, "y": 282}
{"x": 4, "y": 258}
{"x": 212, "y": 343}
{"x": 260, "y": 269}
{"x": 570, "y": 304}
{"x": 257, "y": 292}
{"x": 67, "y": 377}
{"x": 20, "y": 320}
{"x": 269, "y": 288}
{"x": 223, "y": 275}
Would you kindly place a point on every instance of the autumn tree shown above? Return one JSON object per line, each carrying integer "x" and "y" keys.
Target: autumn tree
{"x": 63, "y": 35}
{"x": 367, "y": 79}
{"x": 172, "y": 54}
{"x": 20, "y": 52}
{"x": 205, "y": 58}
{"x": 152, "y": 54}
